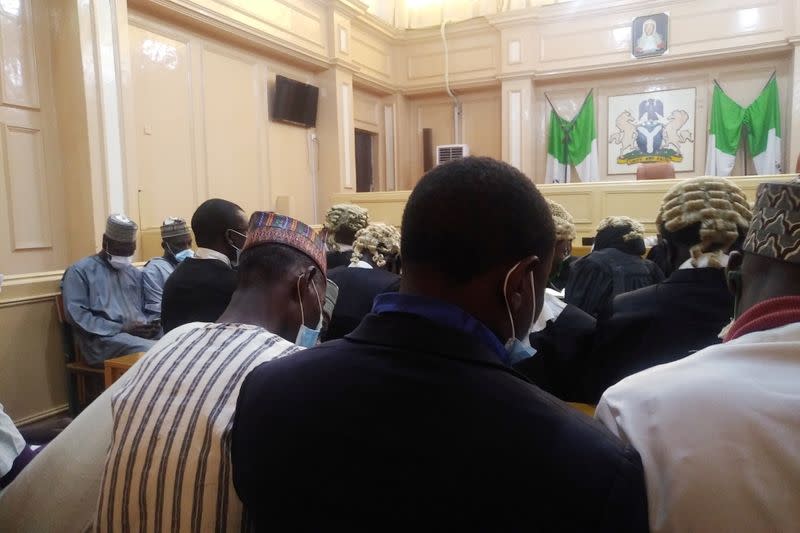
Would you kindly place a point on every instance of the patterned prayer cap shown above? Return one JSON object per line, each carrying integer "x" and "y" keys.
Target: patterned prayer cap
{"x": 775, "y": 228}
{"x": 120, "y": 228}
{"x": 379, "y": 240}
{"x": 272, "y": 228}
{"x": 718, "y": 204}
{"x": 174, "y": 227}
{"x": 344, "y": 216}
{"x": 565, "y": 225}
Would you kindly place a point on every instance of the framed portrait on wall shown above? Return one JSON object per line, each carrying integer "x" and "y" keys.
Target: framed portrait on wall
{"x": 651, "y": 128}
{"x": 650, "y": 35}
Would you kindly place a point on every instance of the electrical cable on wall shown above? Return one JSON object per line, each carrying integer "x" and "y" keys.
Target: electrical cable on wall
{"x": 456, "y": 101}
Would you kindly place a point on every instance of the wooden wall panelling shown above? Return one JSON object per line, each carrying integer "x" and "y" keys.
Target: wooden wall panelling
{"x": 20, "y": 83}
{"x": 589, "y": 203}
{"x": 32, "y": 236}
{"x": 164, "y": 87}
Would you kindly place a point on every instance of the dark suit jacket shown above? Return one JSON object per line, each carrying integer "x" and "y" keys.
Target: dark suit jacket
{"x": 660, "y": 324}
{"x": 358, "y": 288}
{"x": 562, "y": 352}
{"x": 338, "y": 259}
{"x": 408, "y": 425}
{"x": 198, "y": 291}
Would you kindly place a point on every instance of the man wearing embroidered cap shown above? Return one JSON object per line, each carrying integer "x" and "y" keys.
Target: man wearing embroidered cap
{"x": 103, "y": 298}
{"x": 174, "y": 414}
{"x": 699, "y": 220}
{"x": 176, "y": 240}
{"x": 718, "y": 430}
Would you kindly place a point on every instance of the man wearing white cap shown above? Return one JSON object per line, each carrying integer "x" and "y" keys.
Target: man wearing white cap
{"x": 103, "y": 298}
{"x": 176, "y": 240}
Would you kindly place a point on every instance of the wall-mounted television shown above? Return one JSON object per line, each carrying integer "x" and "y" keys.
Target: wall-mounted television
{"x": 295, "y": 102}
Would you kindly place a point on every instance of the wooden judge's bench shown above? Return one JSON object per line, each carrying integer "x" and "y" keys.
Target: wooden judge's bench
{"x": 589, "y": 203}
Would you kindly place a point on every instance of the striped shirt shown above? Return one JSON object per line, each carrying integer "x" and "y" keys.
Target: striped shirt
{"x": 169, "y": 465}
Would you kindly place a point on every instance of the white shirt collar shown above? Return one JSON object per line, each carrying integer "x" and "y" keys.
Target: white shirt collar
{"x": 704, "y": 261}
{"x": 206, "y": 253}
{"x": 360, "y": 264}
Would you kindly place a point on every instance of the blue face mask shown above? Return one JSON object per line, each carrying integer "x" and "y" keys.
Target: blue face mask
{"x": 515, "y": 348}
{"x": 307, "y": 337}
{"x": 183, "y": 255}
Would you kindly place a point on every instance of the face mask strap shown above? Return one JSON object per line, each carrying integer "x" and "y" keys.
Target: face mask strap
{"x": 505, "y": 297}
{"x": 300, "y": 299}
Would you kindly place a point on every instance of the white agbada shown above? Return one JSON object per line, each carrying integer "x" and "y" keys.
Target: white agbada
{"x": 719, "y": 434}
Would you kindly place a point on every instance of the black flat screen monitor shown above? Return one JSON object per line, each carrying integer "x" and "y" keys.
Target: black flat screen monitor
{"x": 295, "y": 102}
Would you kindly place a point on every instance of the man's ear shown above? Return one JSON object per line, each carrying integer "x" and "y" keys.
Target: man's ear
{"x": 519, "y": 280}
{"x": 733, "y": 272}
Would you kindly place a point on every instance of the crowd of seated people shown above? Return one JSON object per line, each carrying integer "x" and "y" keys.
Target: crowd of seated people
{"x": 281, "y": 392}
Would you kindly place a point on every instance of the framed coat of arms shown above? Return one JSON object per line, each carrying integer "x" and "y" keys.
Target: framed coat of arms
{"x": 649, "y": 128}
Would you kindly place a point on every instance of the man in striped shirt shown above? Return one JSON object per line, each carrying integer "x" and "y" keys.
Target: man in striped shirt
{"x": 169, "y": 462}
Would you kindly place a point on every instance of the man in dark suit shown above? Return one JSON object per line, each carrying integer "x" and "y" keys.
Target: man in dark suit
{"x": 201, "y": 287}
{"x": 699, "y": 220}
{"x": 416, "y": 420}
{"x": 376, "y": 262}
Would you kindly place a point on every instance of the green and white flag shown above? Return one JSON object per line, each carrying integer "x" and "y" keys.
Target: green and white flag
{"x": 573, "y": 143}
{"x": 763, "y": 121}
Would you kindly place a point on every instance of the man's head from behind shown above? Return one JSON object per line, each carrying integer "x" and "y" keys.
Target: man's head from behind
{"x": 565, "y": 233}
{"x": 342, "y": 222}
{"x": 220, "y": 225}
{"x": 622, "y": 233}
{"x": 473, "y": 232}
{"x": 769, "y": 264}
{"x": 176, "y": 239}
{"x": 379, "y": 244}
{"x": 282, "y": 275}
{"x": 700, "y": 216}
{"x": 119, "y": 239}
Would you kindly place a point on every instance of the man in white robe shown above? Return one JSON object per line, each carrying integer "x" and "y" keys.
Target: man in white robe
{"x": 718, "y": 431}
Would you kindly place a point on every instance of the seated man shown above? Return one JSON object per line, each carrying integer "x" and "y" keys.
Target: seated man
{"x": 562, "y": 335}
{"x": 699, "y": 220}
{"x": 15, "y": 454}
{"x": 176, "y": 240}
{"x": 614, "y": 267}
{"x": 103, "y": 298}
{"x": 169, "y": 461}
{"x": 373, "y": 270}
{"x": 201, "y": 287}
{"x": 718, "y": 430}
{"x": 565, "y": 234}
{"x": 415, "y": 420}
{"x": 342, "y": 222}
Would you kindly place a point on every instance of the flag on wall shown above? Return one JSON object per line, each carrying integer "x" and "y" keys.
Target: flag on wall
{"x": 763, "y": 121}
{"x": 573, "y": 143}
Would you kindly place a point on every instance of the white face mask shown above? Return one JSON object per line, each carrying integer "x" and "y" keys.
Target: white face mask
{"x": 307, "y": 337}
{"x": 516, "y": 349}
{"x": 120, "y": 261}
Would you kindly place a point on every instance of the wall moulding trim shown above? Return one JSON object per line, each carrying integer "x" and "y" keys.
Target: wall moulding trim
{"x": 30, "y": 419}
{"x": 755, "y": 51}
{"x": 22, "y": 289}
{"x": 195, "y": 18}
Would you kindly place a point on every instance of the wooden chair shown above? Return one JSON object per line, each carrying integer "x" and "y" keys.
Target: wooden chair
{"x": 84, "y": 382}
{"x": 585, "y": 408}
{"x": 655, "y": 171}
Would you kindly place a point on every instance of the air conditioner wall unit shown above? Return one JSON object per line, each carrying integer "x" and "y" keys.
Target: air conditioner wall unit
{"x": 449, "y": 152}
